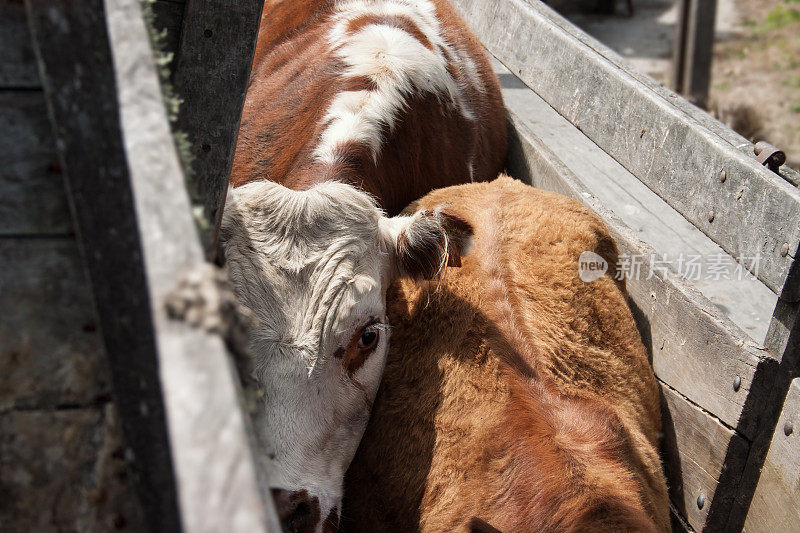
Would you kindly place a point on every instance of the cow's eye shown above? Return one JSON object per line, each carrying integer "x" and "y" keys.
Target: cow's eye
{"x": 361, "y": 345}
{"x": 369, "y": 338}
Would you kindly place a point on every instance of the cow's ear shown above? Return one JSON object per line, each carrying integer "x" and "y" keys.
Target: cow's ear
{"x": 427, "y": 242}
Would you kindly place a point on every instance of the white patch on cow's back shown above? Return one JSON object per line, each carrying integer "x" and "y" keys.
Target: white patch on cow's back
{"x": 421, "y": 12}
{"x": 470, "y": 69}
{"x": 398, "y": 64}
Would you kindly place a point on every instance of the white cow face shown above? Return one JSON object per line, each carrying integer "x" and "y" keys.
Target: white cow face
{"x": 313, "y": 267}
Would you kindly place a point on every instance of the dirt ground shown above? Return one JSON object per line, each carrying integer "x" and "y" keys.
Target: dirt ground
{"x": 758, "y": 65}
{"x": 755, "y": 84}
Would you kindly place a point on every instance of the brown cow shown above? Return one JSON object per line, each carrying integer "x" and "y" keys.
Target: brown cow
{"x": 516, "y": 397}
{"x": 354, "y": 108}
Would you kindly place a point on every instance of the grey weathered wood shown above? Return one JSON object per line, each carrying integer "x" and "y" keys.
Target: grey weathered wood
{"x": 671, "y": 151}
{"x": 218, "y": 40}
{"x": 738, "y": 142}
{"x": 17, "y": 60}
{"x": 83, "y": 103}
{"x": 776, "y": 503}
{"x": 698, "y": 451}
{"x": 686, "y": 335}
{"x": 784, "y": 331}
{"x": 139, "y": 239}
{"x": 64, "y": 470}
{"x": 745, "y": 300}
{"x": 33, "y": 199}
{"x": 50, "y": 350}
{"x": 693, "y": 49}
{"x": 783, "y": 340}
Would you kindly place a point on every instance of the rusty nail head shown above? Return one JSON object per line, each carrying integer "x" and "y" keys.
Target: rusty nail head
{"x": 788, "y": 428}
{"x": 785, "y": 249}
{"x": 711, "y": 216}
{"x": 723, "y": 176}
{"x": 701, "y": 501}
{"x": 737, "y": 383}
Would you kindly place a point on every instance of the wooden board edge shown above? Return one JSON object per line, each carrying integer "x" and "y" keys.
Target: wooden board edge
{"x": 216, "y": 50}
{"x": 776, "y": 502}
{"x": 189, "y": 434}
{"x": 703, "y": 460}
{"x": 738, "y": 227}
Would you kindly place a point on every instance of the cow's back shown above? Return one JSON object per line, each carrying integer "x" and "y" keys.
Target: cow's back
{"x": 479, "y": 365}
{"x": 370, "y": 93}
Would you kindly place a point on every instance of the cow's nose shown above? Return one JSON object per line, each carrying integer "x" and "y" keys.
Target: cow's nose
{"x": 297, "y": 511}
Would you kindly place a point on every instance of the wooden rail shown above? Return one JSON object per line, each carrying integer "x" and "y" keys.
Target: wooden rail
{"x": 720, "y": 387}
{"x": 776, "y": 504}
{"x": 211, "y": 74}
{"x": 675, "y": 153}
{"x": 175, "y": 386}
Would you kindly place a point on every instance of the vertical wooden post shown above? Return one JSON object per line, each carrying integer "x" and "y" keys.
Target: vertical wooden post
{"x": 783, "y": 341}
{"x": 218, "y": 40}
{"x": 776, "y": 503}
{"x": 693, "y": 49}
{"x": 174, "y": 383}
{"x": 81, "y": 93}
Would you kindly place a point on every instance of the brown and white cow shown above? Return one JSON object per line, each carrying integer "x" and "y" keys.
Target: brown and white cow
{"x": 396, "y": 97}
{"x": 354, "y": 109}
{"x": 516, "y": 397}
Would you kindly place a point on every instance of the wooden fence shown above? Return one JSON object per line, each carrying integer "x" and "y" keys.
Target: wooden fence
{"x": 176, "y": 388}
{"x": 583, "y": 123}
{"x": 586, "y": 125}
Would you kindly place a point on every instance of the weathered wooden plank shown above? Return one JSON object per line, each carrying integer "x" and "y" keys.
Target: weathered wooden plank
{"x": 693, "y": 47}
{"x": 17, "y": 60}
{"x": 82, "y": 99}
{"x": 745, "y": 300}
{"x": 776, "y": 503}
{"x": 685, "y": 334}
{"x": 65, "y": 470}
{"x": 33, "y": 200}
{"x": 137, "y": 230}
{"x": 218, "y": 40}
{"x": 50, "y": 349}
{"x": 783, "y": 338}
{"x": 738, "y": 142}
{"x": 676, "y": 155}
{"x": 698, "y": 451}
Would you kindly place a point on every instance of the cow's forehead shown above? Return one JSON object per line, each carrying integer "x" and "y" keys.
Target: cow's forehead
{"x": 304, "y": 325}
{"x": 303, "y": 263}
{"x": 291, "y": 215}
{"x": 291, "y": 236}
